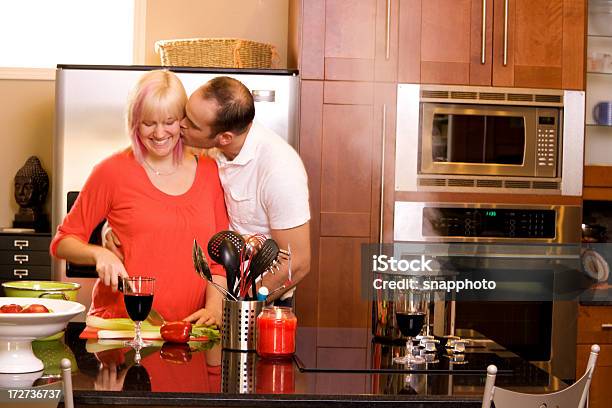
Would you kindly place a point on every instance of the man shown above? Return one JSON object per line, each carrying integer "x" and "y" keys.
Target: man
{"x": 265, "y": 183}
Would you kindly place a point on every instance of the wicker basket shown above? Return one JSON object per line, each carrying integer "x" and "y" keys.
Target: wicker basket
{"x": 217, "y": 52}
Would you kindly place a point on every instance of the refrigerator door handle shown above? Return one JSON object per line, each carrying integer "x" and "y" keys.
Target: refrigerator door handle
{"x": 264, "y": 95}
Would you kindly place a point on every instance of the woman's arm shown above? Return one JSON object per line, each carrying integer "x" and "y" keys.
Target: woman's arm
{"x": 213, "y": 310}
{"x": 108, "y": 266}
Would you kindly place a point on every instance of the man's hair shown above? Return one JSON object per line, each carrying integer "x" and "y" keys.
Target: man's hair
{"x": 236, "y": 107}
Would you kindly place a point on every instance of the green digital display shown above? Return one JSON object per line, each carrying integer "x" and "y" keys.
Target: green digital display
{"x": 491, "y": 213}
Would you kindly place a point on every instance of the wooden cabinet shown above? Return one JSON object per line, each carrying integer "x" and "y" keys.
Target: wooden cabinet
{"x": 597, "y": 183}
{"x": 349, "y": 40}
{"x": 342, "y": 128}
{"x": 595, "y": 327}
{"x": 509, "y": 43}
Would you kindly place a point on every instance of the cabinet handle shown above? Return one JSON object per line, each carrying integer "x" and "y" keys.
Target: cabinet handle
{"x": 505, "y": 32}
{"x": 382, "y": 173}
{"x": 20, "y": 273}
{"x": 21, "y": 243}
{"x": 484, "y": 33}
{"x": 606, "y": 326}
{"x": 388, "y": 31}
{"x": 21, "y": 258}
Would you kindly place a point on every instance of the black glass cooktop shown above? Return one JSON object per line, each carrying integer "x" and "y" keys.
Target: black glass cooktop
{"x": 380, "y": 360}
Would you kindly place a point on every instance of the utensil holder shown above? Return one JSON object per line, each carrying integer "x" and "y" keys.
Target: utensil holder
{"x": 239, "y": 328}
{"x": 238, "y": 372}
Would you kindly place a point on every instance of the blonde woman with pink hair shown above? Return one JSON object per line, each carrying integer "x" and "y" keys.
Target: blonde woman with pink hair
{"x": 158, "y": 199}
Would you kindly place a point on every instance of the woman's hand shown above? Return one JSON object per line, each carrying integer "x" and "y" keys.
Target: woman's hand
{"x": 109, "y": 267}
{"x": 205, "y": 317}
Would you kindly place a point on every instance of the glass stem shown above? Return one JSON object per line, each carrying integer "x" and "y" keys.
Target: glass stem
{"x": 409, "y": 347}
{"x": 137, "y": 338}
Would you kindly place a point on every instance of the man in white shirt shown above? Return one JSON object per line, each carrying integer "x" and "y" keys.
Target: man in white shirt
{"x": 265, "y": 183}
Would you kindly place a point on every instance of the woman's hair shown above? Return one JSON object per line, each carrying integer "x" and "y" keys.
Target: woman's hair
{"x": 156, "y": 91}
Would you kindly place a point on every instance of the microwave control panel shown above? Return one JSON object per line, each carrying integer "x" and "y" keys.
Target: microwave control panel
{"x": 488, "y": 223}
{"x": 546, "y": 140}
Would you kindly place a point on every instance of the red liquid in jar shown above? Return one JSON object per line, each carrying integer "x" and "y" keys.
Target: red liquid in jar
{"x": 276, "y": 333}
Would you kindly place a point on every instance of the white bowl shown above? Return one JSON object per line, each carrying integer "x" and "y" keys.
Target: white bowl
{"x": 17, "y": 330}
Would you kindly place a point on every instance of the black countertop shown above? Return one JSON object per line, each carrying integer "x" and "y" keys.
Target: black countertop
{"x": 332, "y": 375}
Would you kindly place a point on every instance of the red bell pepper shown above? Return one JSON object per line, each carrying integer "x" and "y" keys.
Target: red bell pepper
{"x": 176, "y": 353}
{"x": 176, "y": 332}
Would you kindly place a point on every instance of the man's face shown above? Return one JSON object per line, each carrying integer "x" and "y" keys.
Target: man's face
{"x": 196, "y": 127}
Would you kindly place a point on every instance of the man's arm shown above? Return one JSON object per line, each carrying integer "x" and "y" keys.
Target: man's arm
{"x": 299, "y": 240}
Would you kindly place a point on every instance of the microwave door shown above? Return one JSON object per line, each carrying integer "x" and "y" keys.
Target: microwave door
{"x": 477, "y": 140}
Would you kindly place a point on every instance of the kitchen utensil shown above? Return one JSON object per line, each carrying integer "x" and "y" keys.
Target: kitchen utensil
{"x": 201, "y": 266}
{"x": 214, "y": 251}
{"x": 17, "y": 330}
{"x": 230, "y": 259}
{"x": 259, "y": 264}
{"x": 602, "y": 113}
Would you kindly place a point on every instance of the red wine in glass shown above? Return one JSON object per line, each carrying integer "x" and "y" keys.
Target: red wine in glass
{"x": 138, "y": 305}
{"x": 138, "y": 298}
{"x": 410, "y": 324}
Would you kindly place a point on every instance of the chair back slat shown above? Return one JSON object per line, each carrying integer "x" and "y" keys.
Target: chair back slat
{"x": 574, "y": 396}
{"x": 566, "y": 398}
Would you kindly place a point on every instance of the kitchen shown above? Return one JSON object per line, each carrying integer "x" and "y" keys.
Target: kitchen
{"x": 351, "y": 55}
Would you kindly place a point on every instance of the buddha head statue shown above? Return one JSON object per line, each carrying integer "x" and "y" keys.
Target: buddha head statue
{"x": 31, "y": 184}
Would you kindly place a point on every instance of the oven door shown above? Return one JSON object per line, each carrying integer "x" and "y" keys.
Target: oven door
{"x": 478, "y": 140}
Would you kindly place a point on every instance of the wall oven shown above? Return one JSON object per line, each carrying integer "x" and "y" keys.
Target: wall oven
{"x": 528, "y": 241}
{"x": 489, "y": 139}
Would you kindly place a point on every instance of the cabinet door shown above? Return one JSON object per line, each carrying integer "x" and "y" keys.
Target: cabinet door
{"x": 341, "y": 144}
{"x": 451, "y": 48}
{"x": 539, "y": 44}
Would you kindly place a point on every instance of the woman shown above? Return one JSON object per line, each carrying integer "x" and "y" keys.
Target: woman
{"x": 157, "y": 200}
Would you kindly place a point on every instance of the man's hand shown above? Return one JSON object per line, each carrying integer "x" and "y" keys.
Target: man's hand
{"x": 109, "y": 267}
{"x": 111, "y": 242}
{"x": 203, "y": 316}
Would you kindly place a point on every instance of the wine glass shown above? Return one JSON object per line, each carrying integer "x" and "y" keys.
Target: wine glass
{"x": 410, "y": 311}
{"x": 138, "y": 296}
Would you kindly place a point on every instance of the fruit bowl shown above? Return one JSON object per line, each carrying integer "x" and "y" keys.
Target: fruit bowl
{"x": 17, "y": 330}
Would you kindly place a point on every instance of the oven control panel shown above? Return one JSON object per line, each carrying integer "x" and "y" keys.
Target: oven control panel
{"x": 488, "y": 222}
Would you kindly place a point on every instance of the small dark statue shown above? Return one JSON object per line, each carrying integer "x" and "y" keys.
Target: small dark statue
{"x": 31, "y": 187}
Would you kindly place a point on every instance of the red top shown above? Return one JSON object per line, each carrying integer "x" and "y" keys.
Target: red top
{"x": 156, "y": 231}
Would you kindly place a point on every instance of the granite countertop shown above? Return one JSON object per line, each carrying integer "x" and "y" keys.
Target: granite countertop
{"x": 336, "y": 376}
{"x": 598, "y": 296}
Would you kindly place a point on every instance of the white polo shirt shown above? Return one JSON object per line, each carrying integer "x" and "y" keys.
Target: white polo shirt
{"x": 266, "y": 186}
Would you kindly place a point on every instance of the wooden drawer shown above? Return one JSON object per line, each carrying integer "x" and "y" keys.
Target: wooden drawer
{"x": 25, "y": 242}
{"x": 25, "y": 272}
{"x": 24, "y": 258}
{"x": 594, "y": 325}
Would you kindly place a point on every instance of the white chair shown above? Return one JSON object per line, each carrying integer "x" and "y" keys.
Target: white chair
{"x": 67, "y": 380}
{"x": 574, "y": 396}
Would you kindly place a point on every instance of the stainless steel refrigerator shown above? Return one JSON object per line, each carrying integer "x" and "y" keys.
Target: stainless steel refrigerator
{"x": 90, "y": 106}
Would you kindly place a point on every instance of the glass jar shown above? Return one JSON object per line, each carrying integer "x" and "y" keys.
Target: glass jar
{"x": 276, "y": 327}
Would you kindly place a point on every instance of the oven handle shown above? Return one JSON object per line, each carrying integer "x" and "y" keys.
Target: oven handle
{"x": 606, "y": 326}
{"x": 505, "y": 33}
{"x": 382, "y": 173}
{"x": 484, "y": 32}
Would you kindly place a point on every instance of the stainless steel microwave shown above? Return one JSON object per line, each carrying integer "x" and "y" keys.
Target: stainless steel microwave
{"x": 489, "y": 139}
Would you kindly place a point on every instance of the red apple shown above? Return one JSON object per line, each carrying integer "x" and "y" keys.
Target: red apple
{"x": 35, "y": 308}
{"x": 12, "y": 308}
